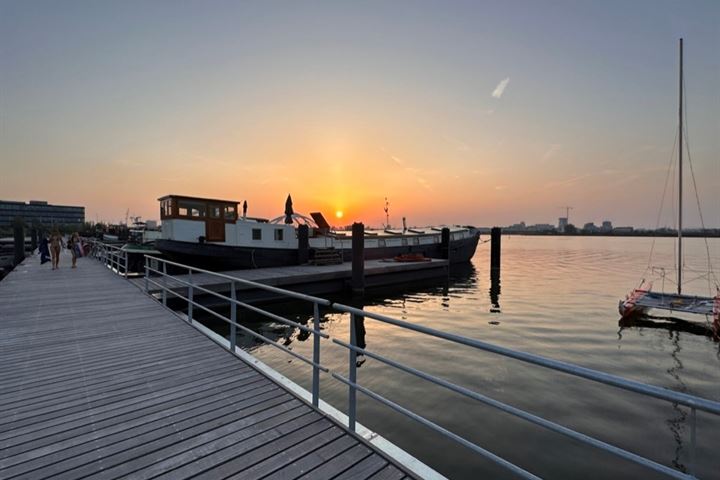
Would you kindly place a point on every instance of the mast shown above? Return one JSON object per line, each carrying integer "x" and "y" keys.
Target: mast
{"x": 680, "y": 178}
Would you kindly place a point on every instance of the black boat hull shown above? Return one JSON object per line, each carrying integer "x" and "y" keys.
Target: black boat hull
{"x": 223, "y": 257}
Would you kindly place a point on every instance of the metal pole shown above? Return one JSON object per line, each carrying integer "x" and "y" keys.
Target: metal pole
{"x": 693, "y": 422}
{"x": 352, "y": 369}
{"x": 164, "y": 292}
{"x": 190, "y": 296}
{"x": 147, "y": 274}
{"x": 316, "y": 356}
{"x": 680, "y": 177}
{"x": 233, "y": 318}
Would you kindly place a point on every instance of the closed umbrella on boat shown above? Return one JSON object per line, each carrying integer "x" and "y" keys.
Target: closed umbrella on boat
{"x": 288, "y": 210}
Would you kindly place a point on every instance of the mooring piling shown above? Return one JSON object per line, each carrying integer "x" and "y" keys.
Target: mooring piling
{"x": 19, "y": 238}
{"x": 358, "y": 259}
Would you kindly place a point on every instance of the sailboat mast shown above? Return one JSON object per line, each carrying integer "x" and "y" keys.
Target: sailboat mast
{"x": 680, "y": 177}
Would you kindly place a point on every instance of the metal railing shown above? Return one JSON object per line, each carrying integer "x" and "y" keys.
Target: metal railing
{"x": 114, "y": 257}
{"x": 191, "y": 285}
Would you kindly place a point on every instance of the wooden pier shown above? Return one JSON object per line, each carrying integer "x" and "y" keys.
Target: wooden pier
{"x": 97, "y": 380}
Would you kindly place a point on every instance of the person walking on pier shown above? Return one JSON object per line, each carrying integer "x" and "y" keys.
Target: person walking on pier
{"x": 56, "y": 243}
{"x": 74, "y": 246}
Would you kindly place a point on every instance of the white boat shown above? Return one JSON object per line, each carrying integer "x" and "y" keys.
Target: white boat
{"x": 642, "y": 299}
{"x": 211, "y": 233}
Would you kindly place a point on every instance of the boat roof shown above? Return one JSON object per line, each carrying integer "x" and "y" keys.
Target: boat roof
{"x": 201, "y": 199}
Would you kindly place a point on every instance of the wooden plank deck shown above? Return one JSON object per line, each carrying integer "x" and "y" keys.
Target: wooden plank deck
{"x": 99, "y": 381}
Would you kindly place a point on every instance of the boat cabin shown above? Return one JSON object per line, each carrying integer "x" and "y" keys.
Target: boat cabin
{"x": 177, "y": 210}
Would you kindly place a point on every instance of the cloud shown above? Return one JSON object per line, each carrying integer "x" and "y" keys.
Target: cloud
{"x": 554, "y": 148}
{"x": 500, "y": 187}
{"x": 500, "y": 89}
{"x": 458, "y": 144}
{"x": 397, "y": 160}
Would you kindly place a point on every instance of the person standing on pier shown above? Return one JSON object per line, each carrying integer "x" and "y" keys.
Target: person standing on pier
{"x": 56, "y": 243}
{"x": 74, "y": 246}
{"x": 44, "y": 250}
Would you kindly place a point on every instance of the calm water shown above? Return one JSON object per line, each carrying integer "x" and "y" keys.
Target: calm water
{"x": 558, "y": 298}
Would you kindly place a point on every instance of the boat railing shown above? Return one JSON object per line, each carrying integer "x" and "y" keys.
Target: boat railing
{"x": 172, "y": 284}
{"x": 112, "y": 256}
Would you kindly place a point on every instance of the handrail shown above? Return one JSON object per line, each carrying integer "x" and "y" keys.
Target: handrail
{"x": 286, "y": 293}
{"x": 694, "y": 403}
{"x": 587, "y": 373}
{"x": 112, "y": 256}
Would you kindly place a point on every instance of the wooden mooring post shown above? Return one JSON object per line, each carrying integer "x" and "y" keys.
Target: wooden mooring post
{"x": 19, "y": 238}
{"x": 445, "y": 243}
{"x": 495, "y": 237}
{"x": 358, "y": 259}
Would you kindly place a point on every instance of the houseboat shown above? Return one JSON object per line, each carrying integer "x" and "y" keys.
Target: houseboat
{"x": 211, "y": 233}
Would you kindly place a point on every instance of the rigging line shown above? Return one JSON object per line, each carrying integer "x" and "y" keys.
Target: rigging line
{"x": 697, "y": 195}
{"x": 662, "y": 201}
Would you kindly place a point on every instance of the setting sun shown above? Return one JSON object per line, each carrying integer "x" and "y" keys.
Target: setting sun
{"x": 339, "y": 214}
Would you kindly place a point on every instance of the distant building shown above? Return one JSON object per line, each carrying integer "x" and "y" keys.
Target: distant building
{"x": 40, "y": 212}
{"x": 606, "y": 226}
{"x": 542, "y": 227}
{"x": 517, "y": 227}
{"x": 562, "y": 223}
{"x": 590, "y": 227}
{"x": 623, "y": 230}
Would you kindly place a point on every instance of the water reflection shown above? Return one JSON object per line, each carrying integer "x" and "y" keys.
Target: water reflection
{"x": 671, "y": 324}
{"x": 495, "y": 291}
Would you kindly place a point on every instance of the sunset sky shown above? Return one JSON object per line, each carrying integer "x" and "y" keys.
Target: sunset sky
{"x": 482, "y": 112}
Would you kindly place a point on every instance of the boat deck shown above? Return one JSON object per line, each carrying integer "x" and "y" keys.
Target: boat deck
{"x": 100, "y": 381}
{"x": 677, "y": 303}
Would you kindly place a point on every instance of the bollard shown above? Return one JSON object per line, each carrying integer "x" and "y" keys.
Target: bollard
{"x": 303, "y": 244}
{"x": 358, "y": 259}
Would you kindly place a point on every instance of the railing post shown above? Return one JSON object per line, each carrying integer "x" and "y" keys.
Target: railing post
{"x": 233, "y": 317}
{"x": 316, "y": 356}
{"x": 693, "y": 418}
{"x": 164, "y": 292}
{"x": 147, "y": 274}
{"x": 190, "y": 296}
{"x": 352, "y": 369}
{"x": 125, "y": 258}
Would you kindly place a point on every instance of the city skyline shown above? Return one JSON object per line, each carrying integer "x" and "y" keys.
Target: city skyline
{"x": 462, "y": 113}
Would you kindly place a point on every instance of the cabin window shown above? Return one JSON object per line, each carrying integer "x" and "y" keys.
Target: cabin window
{"x": 279, "y": 234}
{"x": 230, "y": 213}
{"x": 381, "y": 242}
{"x": 415, "y": 241}
{"x": 188, "y": 208}
{"x": 403, "y": 242}
{"x": 256, "y": 234}
{"x": 215, "y": 211}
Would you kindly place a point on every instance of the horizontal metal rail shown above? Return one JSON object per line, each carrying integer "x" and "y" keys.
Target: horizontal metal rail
{"x": 587, "y": 373}
{"x": 519, "y": 413}
{"x": 247, "y": 330}
{"x": 694, "y": 403}
{"x": 279, "y": 291}
{"x": 243, "y": 304}
{"x": 434, "y": 426}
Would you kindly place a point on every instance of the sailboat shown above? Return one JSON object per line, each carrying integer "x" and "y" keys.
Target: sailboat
{"x": 642, "y": 298}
